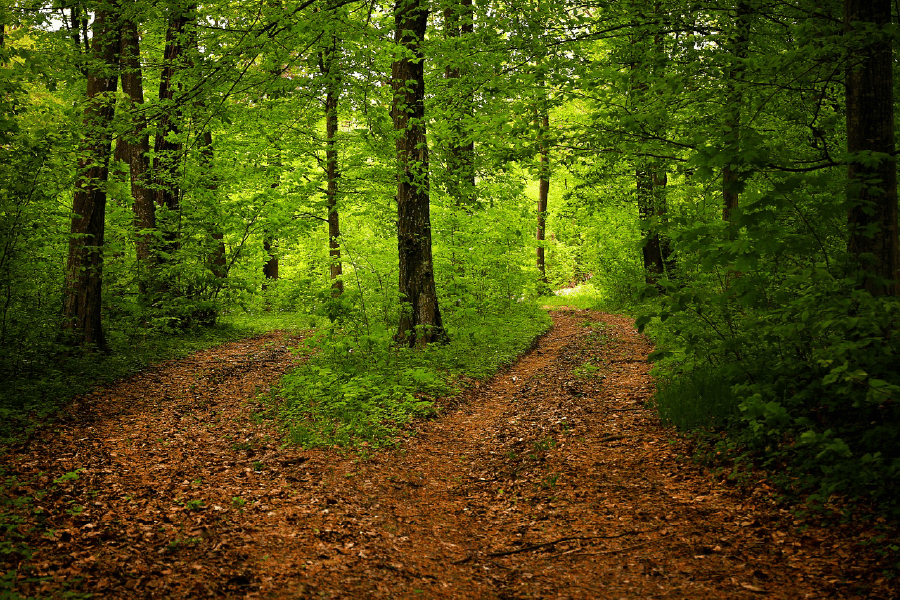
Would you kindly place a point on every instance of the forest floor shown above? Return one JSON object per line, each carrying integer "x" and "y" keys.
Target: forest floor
{"x": 552, "y": 480}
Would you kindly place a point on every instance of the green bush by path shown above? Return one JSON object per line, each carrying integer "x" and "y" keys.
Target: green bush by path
{"x": 361, "y": 388}
{"x": 804, "y": 379}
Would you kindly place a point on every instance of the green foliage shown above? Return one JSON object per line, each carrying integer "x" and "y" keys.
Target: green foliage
{"x": 698, "y": 398}
{"x": 362, "y": 389}
{"x": 812, "y": 371}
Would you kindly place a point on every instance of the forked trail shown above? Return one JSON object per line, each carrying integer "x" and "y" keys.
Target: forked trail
{"x": 550, "y": 481}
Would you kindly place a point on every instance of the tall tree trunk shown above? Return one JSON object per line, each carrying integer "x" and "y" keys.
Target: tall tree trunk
{"x": 218, "y": 264}
{"x": 459, "y": 19}
{"x": 134, "y": 148}
{"x": 543, "y": 188}
{"x": 215, "y": 259}
{"x": 420, "y": 316}
{"x": 331, "y": 72}
{"x": 661, "y": 205}
{"x": 168, "y": 146}
{"x": 84, "y": 269}
{"x": 872, "y": 191}
{"x": 650, "y": 174}
{"x": 731, "y": 178}
{"x": 649, "y": 180}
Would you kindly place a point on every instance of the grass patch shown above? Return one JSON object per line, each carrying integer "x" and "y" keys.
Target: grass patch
{"x": 357, "y": 389}
{"x": 584, "y": 296}
{"x": 37, "y": 385}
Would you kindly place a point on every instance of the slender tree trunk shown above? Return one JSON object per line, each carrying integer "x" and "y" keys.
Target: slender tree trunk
{"x": 731, "y": 179}
{"x": 660, "y": 188}
{"x": 543, "y": 189}
{"x": 168, "y": 146}
{"x": 270, "y": 269}
{"x": 872, "y": 190}
{"x": 459, "y": 21}
{"x": 650, "y": 174}
{"x": 332, "y": 94}
{"x": 217, "y": 259}
{"x": 648, "y": 180}
{"x": 420, "y": 316}
{"x": 134, "y": 148}
{"x": 84, "y": 270}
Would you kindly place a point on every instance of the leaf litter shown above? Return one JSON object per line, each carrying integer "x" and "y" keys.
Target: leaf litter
{"x": 551, "y": 480}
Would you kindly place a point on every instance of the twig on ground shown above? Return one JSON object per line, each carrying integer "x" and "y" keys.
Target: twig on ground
{"x": 551, "y": 543}
{"x": 574, "y": 551}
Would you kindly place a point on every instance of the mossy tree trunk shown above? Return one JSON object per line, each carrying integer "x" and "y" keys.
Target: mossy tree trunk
{"x": 420, "y": 315}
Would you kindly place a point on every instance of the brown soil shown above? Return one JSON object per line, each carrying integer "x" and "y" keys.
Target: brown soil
{"x": 550, "y": 481}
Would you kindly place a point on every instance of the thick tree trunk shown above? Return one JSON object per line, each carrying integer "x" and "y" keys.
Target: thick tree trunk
{"x": 332, "y": 94}
{"x": 543, "y": 190}
{"x": 134, "y": 148}
{"x": 420, "y": 316}
{"x": 84, "y": 270}
{"x": 872, "y": 190}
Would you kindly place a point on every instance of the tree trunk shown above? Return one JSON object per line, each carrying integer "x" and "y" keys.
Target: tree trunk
{"x": 84, "y": 269}
{"x": 332, "y": 94}
{"x": 459, "y": 21}
{"x": 731, "y": 178}
{"x": 648, "y": 180}
{"x": 543, "y": 190}
{"x": 420, "y": 316}
{"x": 270, "y": 269}
{"x": 134, "y": 148}
{"x": 168, "y": 146}
{"x": 218, "y": 264}
{"x": 872, "y": 189}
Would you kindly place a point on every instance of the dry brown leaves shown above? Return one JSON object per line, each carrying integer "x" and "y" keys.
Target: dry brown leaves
{"x": 550, "y": 481}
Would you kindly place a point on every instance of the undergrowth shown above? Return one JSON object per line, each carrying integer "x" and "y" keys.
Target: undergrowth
{"x": 802, "y": 382}
{"x": 359, "y": 388}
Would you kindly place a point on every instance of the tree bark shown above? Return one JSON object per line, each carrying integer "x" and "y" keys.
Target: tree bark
{"x": 270, "y": 268}
{"x": 543, "y": 189}
{"x": 459, "y": 21}
{"x": 872, "y": 188}
{"x": 167, "y": 145}
{"x": 332, "y": 95}
{"x": 82, "y": 303}
{"x": 134, "y": 148}
{"x": 649, "y": 180}
{"x": 731, "y": 178}
{"x": 420, "y": 315}
{"x": 217, "y": 258}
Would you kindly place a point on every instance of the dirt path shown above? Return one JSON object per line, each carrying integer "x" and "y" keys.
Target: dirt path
{"x": 551, "y": 481}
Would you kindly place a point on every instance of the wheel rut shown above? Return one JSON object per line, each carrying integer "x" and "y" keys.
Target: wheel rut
{"x": 552, "y": 480}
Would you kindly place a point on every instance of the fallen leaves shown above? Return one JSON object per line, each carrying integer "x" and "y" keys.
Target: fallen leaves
{"x": 552, "y": 480}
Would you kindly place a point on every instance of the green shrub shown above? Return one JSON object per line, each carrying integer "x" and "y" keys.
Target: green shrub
{"x": 358, "y": 387}
{"x": 699, "y": 398}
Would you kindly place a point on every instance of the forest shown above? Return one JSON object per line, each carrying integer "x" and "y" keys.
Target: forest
{"x": 411, "y": 182}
